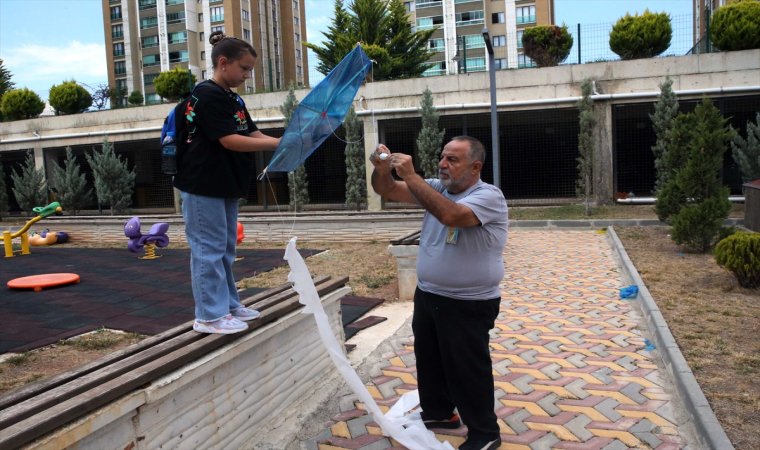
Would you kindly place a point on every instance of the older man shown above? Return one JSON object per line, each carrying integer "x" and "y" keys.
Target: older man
{"x": 459, "y": 267}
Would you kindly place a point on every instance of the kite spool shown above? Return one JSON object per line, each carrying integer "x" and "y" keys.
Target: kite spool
{"x": 383, "y": 156}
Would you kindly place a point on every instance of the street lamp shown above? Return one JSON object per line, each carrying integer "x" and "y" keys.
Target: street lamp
{"x": 494, "y": 117}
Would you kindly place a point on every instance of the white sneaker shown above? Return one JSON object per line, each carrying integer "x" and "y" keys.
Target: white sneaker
{"x": 225, "y": 325}
{"x": 245, "y": 314}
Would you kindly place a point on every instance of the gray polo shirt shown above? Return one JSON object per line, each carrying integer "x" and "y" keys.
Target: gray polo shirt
{"x": 473, "y": 267}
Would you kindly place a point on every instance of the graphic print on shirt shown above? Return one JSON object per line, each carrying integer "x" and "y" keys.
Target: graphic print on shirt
{"x": 241, "y": 120}
{"x": 189, "y": 118}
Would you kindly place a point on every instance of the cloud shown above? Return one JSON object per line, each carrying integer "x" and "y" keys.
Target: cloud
{"x": 38, "y": 67}
{"x": 315, "y": 26}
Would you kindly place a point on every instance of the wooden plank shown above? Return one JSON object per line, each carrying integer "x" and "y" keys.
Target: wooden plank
{"x": 37, "y": 388}
{"x": 69, "y": 410}
{"x": 399, "y": 241}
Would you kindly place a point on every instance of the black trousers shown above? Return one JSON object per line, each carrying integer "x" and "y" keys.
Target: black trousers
{"x": 454, "y": 361}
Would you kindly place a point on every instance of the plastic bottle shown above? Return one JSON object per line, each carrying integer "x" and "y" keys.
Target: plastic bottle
{"x": 169, "y": 154}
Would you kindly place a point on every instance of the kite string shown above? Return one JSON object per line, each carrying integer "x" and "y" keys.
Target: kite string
{"x": 279, "y": 213}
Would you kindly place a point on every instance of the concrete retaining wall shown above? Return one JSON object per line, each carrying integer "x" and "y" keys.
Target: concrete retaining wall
{"x": 250, "y": 393}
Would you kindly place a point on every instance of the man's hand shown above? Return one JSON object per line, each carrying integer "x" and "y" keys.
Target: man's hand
{"x": 404, "y": 165}
{"x": 383, "y": 165}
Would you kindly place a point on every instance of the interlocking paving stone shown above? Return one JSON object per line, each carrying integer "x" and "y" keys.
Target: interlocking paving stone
{"x": 568, "y": 362}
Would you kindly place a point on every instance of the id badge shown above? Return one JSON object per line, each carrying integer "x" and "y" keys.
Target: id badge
{"x": 451, "y": 238}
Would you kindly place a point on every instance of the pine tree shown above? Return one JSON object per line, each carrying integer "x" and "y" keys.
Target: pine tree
{"x": 71, "y": 185}
{"x": 356, "y": 184}
{"x": 30, "y": 187}
{"x": 747, "y": 152}
{"x": 336, "y": 43}
{"x": 430, "y": 138}
{"x": 298, "y": 185}
{"x": 4, "y": 202}
{"x": 114, "y": 183}
{"x": 584, "y": 184}
{"x": 6, "y": 85}
{"x": 663, "y": 120}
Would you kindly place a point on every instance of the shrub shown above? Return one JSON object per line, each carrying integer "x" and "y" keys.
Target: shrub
{"x": 747, "y": 152}
{"x": 136, "y": 98}
{"x": 547, "y": 45}
{"x": 737, "y": 26}
{"x": 21, "y": 104}
{"x": 740, "y": 255}
{"x": 645, "y": 36}
{"x": 173, "y": 83}
{"x": 699, "y": 225}
{"x": 70, "y": 98}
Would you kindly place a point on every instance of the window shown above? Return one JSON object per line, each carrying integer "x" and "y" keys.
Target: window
{"x": 148, "y": 22}
{"x": 274, "y": 31}
{"x": 174, "y": 2}
{"x": 426, "y": 3}
{"x": 152, "y": 98}
{"x": 436, "y": 45}
{"x": 202, "y": 36}
{"x": 409, "y": 6}
{"x": 474, "y": 41}
{"x": 465, "y": 1}
{"x": 298, "y": 70}
{"x": 296, "y": 22}
{"x": 151, "y": 60}
{"x": 180, "y": 56}
{"x": 428, "y": 23}
{"x": 298, "y": 37}
{"x": 149, "y": 41}
{"x": 203, "y": 74}
{"x": 526, "y": 14}
{"x": 274, "y": 14}
{"x": 497, "y": 17}
{"x": 276, "y": 49}
{"x": 246, "y": 16}
{"x": 200, "y": 17}
{"x": 117, "y": 31}
{"x": 500, "y": 63}
{"x": 295, "y": 5}
{"x": 438, "y": 68}
{"x": 246, "y": 34}
{"x": 121, "y": 83}
{"x": 149, "y": 77}
{"x": 249, "y": 89}
{"x": 524, "y": 61}
{"x": 476, "y": 64}
{"x": 203, "y": 56}
{"x": 298, "y": 53}
{"x": 219, "y": 28}
{"x": 178, "y": 37}
{"x": 519, "y": 38}
{"x": 118, "y": 49}
{"x": 217, "y": 13}
{"x": 499, "y": 41}
{"x": 177, "y": 17}
{"x": 115, "y": 12}
{"x": 119, "y": 67}
{"x": 147, "y": 4}
{"x": 470, "y": 18}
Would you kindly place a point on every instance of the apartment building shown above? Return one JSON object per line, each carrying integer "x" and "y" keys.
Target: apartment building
{"x": 458, "y": 42}
{"x": 700, "y": 8}
{"x": 146, "y": 37}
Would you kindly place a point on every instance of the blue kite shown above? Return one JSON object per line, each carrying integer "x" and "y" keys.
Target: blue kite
{"x": 321, "y": 112}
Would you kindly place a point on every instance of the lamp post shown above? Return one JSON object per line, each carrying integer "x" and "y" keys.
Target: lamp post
{"x": 494, "y": 117}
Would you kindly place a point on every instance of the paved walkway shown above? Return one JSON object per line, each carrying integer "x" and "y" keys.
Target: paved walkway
{"x": 569, "y": 361}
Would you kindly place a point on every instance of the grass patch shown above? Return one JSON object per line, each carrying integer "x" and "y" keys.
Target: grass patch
{"x": 99, "y": 340}
{"x": 611, "y": 212}
{"x": 374, "y": 282}
{"x": 19, "y": 360}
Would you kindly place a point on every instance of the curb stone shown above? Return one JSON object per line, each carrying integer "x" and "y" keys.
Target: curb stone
{"x": 551, "y": 224}
{"x": 709, "y": 431}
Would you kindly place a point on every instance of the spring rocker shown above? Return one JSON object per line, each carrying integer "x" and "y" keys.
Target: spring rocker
{"x": 42, "y": 213}
{"x": 47, "y": 237}
{"x": 156, "y": 237}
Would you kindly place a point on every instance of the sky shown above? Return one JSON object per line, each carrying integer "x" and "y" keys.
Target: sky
{"x": 44, "y": 42}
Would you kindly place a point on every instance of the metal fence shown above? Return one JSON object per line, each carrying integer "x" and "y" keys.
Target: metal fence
{"x": 466, "y": 53}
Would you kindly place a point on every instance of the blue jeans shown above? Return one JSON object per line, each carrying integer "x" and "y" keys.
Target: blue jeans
{"x": 211, "y": 230}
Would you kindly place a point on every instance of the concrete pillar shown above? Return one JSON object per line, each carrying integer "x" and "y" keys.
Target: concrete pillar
{"x": 406, "y": 260}
{"x": 603, "y": 168}
{"x": 374, "y": 201}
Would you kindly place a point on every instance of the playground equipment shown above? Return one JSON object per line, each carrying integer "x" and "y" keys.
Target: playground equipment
{"x": 156, "y": 237}
{"x": 47, "y": 238}
{"x": 37, "y": 282}
{"x": 8, "y": 237}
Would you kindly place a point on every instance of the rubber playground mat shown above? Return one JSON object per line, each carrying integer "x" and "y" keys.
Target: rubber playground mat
{"x": 117, "y": 291}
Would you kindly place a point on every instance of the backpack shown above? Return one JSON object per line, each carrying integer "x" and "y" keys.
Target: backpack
{"x": 175, "y": 122}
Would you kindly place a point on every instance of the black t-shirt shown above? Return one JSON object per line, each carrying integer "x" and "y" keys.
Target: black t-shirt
{"x": 206, "y": 167}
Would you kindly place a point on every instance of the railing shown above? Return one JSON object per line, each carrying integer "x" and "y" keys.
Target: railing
{"x": 434, "y": 72}
{"x": 117, "y": 34}
{"x": 151, "y": 64}
{"x": 464, "y": 23}
{"x": 118, "y": 52}
{"x": 120, "y": 71}
{"x": 147, "y": 25}
{"x": 218, "y": 18}
{"x": 149, "y": 44}
{"x": 526, "y": 19}
{"x": 466, "y": 1}
{"x": 427, "y": 4}
{"x": 116, "y": 16}
{"x": 149, "y": 4}
{"x": 177, "y": 41}
{"x": 174, "y": 2}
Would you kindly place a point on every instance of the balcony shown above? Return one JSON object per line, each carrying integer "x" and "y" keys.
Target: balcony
{"x": 117, "y": 34}
{"x": 116, "y": 16}
{"x": 118, "y": 52}
{"x": 120, "y": 71}
{"x": 144, "y": 24}
{"x": 174, "y": 2}
{"x": 175, "y": 18}
{"x": 147, "y": 4}
{"x": 464, "y": 23}
{"x": 427, "y": 4}
{"x": 466, "y": 1}
{"x": 434, "y": 72}
{"x": 217, "y": 18}
{"x": 526, "y": 19}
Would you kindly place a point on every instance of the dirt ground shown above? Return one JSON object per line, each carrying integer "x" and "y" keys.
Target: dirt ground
{"x": 45, "y": 362}
{"x": 715, "y": 322}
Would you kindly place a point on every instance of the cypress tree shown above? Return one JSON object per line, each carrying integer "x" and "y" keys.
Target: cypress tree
{"x": 29, "y": 187}
{"x": 584, "y": 183}
{"x": 747, "y": 152}
{"x": 71, "y": 185}
{"x": 114, "y": 183}
{"x": 356, "y": 184}
{"x": 298, "y": 185}
{"x": 430, "y": 138}
{"x": 663, "y": 120}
